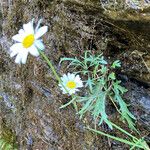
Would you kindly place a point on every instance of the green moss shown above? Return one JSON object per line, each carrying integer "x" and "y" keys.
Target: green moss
{"x": 7, "y": 139}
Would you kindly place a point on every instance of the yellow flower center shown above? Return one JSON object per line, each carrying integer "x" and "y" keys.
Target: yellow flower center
{"x": 28, "y": 41}
{"x": 71, "y": 84}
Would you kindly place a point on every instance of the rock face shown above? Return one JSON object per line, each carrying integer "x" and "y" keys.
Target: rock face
{"x": 30, "y": 98}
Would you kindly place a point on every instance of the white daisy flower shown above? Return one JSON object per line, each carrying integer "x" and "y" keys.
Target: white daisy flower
{"x": 71, "y": 83}
{"x": 27, "y": 41}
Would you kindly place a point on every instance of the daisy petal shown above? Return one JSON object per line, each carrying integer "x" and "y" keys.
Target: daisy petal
{"x": 64, "y": 78}
{"x": 79, "y": 84}
{"x": 21, "y": 31}
{"x": 16, "y": 46}
{"x": 41, "y": 31}
{"x": 39, "y": 44}
{"x": 71, "y": 92}
{"x": 38, "y": 25}
{"x": 18, "y": 58}
{"x": 71, "y": 76}
{"x": 13, "y": 53}
{"x": 33, "y": 51}
{"x": 28, "y": 28}
{"x": 78, "y": 81}
{"x": 24, "y": 56}
{"x": 18, "y": 37}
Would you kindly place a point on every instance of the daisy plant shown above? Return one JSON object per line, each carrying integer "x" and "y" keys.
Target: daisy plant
{"x": 101, "y": 80}
{"x": 68, "y": 83}
{"x": 101, "y": 85}
{"x": 71, "y": 82}
{"x": 28, "y": 41}
{"x": 134, "y": 142}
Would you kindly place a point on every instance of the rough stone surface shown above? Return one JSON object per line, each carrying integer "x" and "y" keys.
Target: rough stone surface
{"x": 29, "y": 96}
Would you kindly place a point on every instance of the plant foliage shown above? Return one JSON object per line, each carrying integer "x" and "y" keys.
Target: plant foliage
{"x": 7, "y": 139}
{"x": 102, "y": 85}
{"x": 133, "y": 142}
{"x": 5, "y": 145}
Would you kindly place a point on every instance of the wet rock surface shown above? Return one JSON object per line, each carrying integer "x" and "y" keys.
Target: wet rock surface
{"x": 29, "y": 96}
{"x": 139, "y": 96}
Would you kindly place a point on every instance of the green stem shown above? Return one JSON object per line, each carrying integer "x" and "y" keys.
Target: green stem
{"x": 138, "y": 142}
{"x": 51, "y": 66}
{"x": 115, "y": 138}
{"x": 117, "y": 127}
{"x": 58, "y": 78}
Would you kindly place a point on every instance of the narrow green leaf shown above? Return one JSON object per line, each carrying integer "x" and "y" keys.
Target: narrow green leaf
{"x": 113, "y": 137}
{"x": 112, "y": 76}
{"x": 63, "y": 106}
{"x": 116, "y": 63}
